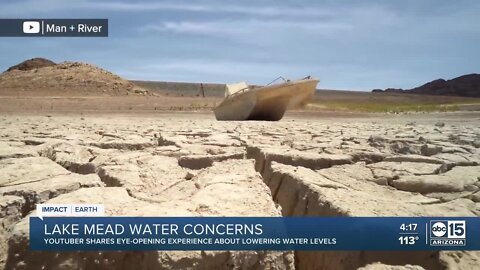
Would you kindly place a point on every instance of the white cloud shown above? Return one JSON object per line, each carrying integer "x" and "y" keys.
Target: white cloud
{"x": 192, "y": 27}
{"x": 273, "y": 10}
{"x": 33, "y": 6}
{"x": 248, "y": 28}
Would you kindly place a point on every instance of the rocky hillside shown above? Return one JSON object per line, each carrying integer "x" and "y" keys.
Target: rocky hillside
{"x": 464, "y": 86}
{"x": 42, "y": 77}
{"x": 33, "y": 63}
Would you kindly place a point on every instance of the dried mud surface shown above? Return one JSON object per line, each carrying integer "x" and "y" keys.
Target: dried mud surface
{"x": 192, "y": 165}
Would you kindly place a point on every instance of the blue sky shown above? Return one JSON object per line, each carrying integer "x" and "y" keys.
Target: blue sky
{"x": 358, "y": 45}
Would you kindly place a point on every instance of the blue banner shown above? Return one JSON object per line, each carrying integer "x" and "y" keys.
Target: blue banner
{"x": 254, "y": 233}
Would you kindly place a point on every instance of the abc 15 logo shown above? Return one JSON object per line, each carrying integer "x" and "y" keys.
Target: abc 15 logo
{"x": 451, "y": 229}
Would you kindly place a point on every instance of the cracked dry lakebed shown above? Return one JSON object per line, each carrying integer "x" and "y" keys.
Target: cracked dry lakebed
{"x": 192, "y": 165}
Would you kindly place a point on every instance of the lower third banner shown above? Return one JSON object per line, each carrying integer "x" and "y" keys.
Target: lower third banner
{"x": 254, "y": 233}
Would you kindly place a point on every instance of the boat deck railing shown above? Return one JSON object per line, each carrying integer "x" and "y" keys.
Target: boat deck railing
{"x": 284, "y": 80}
{"x": 248, "y": 87}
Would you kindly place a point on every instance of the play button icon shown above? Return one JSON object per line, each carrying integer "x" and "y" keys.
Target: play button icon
{"x": 31, "y": 27}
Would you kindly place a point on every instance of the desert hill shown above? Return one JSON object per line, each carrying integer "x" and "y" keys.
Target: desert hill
{"x": 464, "y": 86}
{"x": 43, "y": 77}
{"x": 33, "y": 63}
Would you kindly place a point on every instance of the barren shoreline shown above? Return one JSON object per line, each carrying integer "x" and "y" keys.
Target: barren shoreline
{"x": 188, "y": 164}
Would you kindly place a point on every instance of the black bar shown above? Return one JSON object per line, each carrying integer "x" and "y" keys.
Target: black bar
{"x": 53, "y": 27}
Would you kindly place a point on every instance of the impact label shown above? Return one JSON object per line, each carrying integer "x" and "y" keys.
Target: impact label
{"x": 70, "y": 210}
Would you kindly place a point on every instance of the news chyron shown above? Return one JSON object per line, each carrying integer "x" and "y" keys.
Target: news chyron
{"x": 76, "y": 227}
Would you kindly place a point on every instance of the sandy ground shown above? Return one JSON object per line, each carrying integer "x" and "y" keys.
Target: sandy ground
{"x": 187, "y": 164}
{"x": 117, "y": 104}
